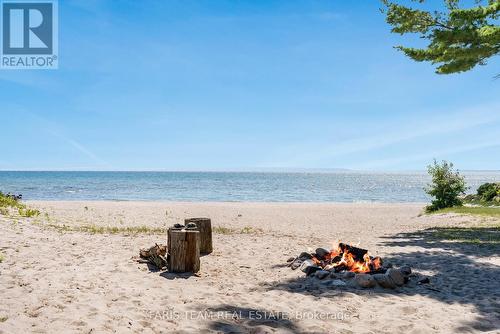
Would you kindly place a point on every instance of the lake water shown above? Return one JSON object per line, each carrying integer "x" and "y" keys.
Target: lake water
{"x": 227, "y": 186}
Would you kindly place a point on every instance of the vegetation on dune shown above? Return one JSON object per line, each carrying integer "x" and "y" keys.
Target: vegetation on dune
{"x": 244, "y": 230}
{"x": 487, "y": 194}
{"x": 487, "y": 235}
{"x": 446, "y": 187}
{"x": 1, "y": 258}
{"x": 8, "y": 202}
{"x": 473, "y": 210}
{"x": 459, "y": 38}
{"x": 94, "y": 229}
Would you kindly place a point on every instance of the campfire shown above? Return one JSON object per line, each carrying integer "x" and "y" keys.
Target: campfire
{"x": 347, "y": 258}
{"x": 350, "y": 265}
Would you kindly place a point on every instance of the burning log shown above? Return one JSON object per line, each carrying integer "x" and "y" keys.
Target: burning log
{"x": 184, "y": 250}
{"x": 358, "y": 254}
{"x": 204, "y": 225}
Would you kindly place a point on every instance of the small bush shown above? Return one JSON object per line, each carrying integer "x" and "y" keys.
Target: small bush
{"x": 446, "y": 187}
{"x": 488, "y": 191}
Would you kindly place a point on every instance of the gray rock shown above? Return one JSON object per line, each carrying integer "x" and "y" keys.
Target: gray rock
{"x": 384, "y": 281}
{"x": 364, "y": 280}
{"x": 424, "y": 280}
{"x": 296, "y": 264}
{"x": 191, "y": 226}
{"x": 321, "y": 252}
{"x": 334, "y": 275}
{"x": 397, "y": 277}
{"x": 309, "y": 267}
{"x": 305, "y": 264}
{"x": 311, "y": 270}
{"x": 305, "y": 256}
{"x": 321, "y": 274}
{"x": 405, "y": 270}
{"x": 337, "y": 282}
{"x": 347, "y": 275}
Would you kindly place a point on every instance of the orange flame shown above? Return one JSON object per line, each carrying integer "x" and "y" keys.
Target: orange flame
{"x": 348, "y": 261}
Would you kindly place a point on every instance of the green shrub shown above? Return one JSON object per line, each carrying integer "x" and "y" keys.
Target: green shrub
{"x": 488, "y": 191}
{"x": 446, "y": 187}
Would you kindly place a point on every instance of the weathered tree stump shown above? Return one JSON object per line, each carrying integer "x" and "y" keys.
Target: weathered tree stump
{"x": 184, "y": 250}
{"x": 176, "y": 227}
{"x": 205, "y": 227}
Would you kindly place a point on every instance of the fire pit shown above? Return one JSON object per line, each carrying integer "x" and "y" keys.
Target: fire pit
{"x": 349, "y": 265}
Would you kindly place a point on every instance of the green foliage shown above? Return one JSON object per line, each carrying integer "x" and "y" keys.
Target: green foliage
{"x": 1, "y": 258}
{"x": 7, "y": 202}
{"x": 473, "y": 210}
{"x": 446, "y": 187}
{"x": 459, "y": 38}
{"x": 487, "y": 192}
{"x": 28, "y": 213}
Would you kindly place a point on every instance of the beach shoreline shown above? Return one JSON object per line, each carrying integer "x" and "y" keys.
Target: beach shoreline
{"x": 58, "y": 280}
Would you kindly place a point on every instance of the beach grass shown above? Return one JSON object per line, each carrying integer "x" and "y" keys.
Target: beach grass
{"x": 8, "y": 202}
{"x": 94, "y": 229}
{"x": 230, "y": 231}
{"x": 487, "y": 211}
{"x": 1, "y": 258}
{"x": 485, "y": 235}
{"x": 222, "y": 230}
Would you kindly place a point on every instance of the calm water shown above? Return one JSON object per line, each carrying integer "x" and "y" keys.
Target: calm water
{"x": 225, "y": 186}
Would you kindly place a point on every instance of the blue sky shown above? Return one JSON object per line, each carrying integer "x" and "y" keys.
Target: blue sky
{"x": 230, "y": 85}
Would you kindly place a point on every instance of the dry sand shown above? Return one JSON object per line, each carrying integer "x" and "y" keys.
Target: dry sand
{"x": 54, "y": 281}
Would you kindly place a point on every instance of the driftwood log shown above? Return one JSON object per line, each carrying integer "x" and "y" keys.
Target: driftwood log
{"x": 155, "y": 255}
{"x": 184, "y": 250}
{"x": 204, "y": 225}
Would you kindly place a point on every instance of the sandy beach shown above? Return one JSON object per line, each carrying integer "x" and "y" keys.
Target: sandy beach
{"x": 61, "y": 280}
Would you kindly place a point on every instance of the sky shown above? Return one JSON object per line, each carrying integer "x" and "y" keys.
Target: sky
{"x": 242, "y": 85}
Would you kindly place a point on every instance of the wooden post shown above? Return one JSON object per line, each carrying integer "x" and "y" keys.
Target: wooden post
{"x": 205, "y": 227}
{"x": 184, "y": 249}
{"x": 169, "y": 239}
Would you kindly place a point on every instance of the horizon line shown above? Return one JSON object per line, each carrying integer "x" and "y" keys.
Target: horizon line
{"x": 242, "y": 170}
